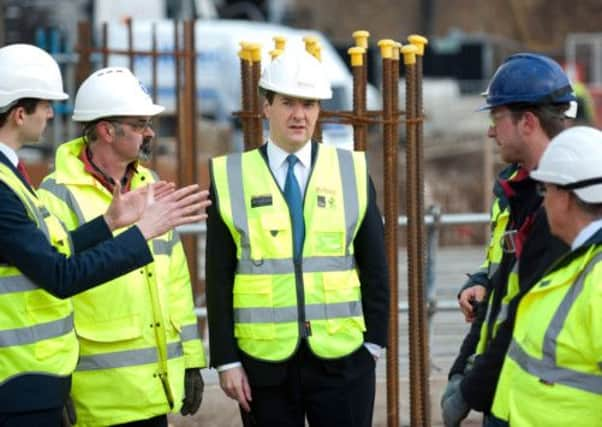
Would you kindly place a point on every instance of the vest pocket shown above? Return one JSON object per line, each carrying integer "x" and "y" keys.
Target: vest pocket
{"x": 276, "y": 233}
{"x": 253, "y": 308}
{"x": 329, "y": 243}
{"x": 111, "y": 330}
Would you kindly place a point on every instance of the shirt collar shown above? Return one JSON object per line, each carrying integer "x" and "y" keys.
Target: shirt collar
{"x": 106, "y": 181}
{"x": 9, "y": 153}
{"x": 586, "y": 232}
{"x": 277, "y": 156}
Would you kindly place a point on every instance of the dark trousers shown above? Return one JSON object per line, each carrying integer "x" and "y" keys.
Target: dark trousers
{"x": 45, "y": 418}
{"x": 160, "y": 421}
{"x": 329, "y": 393}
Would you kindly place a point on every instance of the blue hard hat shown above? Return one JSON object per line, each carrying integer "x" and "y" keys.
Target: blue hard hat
{"x": 531, "y": 79}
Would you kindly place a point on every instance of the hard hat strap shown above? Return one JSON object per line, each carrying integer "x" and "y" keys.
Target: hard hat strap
{"x": 552, "y": 97}
{"x": 581, "y": 184}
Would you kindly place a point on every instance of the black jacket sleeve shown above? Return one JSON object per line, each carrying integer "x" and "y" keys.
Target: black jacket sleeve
{"x": 90, "y": 234}
{"x": 24, "y": 246}
{"x": 369, "y": 249}
{"x": 220, "y": 266}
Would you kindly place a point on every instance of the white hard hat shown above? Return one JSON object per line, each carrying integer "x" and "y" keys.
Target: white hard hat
{"x": 112, "y": 91}
{"x": 27, "y": 71}
{"x": 572, "y": 160}
{"x": 298, "y": 74}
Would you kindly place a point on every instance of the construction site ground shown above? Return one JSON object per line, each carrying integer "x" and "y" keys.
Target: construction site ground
{"x": 447, "y": 332}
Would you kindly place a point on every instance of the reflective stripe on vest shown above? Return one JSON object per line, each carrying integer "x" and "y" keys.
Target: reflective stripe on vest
{"x": 289, "y": 314}
{"x": 547, "y": 368}
{"x": 286, "y": 265}
{"x": 19, "y": 283}
{"x": 64, "y": 194}
{"x": 190, "y": 332}
{"x": 121, "y": 359}
{"x": 165, "y": 247}
{"x": 35, "y": 333}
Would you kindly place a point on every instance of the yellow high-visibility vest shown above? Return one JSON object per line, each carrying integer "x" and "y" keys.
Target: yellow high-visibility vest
{"x": 278, "y": 299}
{"x": 552, "y": 373}
{"x": 36, "y": 328}
{"x": 137, "y": 333}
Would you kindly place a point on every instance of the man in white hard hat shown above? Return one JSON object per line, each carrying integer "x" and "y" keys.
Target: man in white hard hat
{"x": 552, "y": 374}
{"x": 297, "y": 292}
{"x": 41, "y": 265}
{"x": 140, "y": 350}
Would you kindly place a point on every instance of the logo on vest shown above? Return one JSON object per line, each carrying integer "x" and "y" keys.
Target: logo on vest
{"x": 324, "y": 201}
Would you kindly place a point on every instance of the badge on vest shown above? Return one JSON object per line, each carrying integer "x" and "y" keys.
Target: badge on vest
{"x": 323, "y": 201}
{"x": 263, "y": 200}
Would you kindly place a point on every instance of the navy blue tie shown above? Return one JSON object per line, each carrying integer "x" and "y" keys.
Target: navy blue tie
{"x": 292, "y": 194}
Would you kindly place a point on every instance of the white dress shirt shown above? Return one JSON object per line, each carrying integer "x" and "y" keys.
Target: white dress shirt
{"x": 9, "y": 153}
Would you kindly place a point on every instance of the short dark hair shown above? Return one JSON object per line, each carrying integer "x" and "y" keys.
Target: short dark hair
{"x": 89, "y": 132}
{"x": 267, "y": 94}
{"x": 28, "y": 104}
{"x": 551, "y": 116}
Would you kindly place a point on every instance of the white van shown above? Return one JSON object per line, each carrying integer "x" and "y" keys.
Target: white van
{"x": 218, "y": 66}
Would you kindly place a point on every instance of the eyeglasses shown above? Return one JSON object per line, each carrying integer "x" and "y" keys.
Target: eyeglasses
{"x": 138, "y": 126}
{"x": 495, "y": 117}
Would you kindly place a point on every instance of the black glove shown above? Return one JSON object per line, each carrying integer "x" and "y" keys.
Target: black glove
{"x": 68, "y": 418}
{"x": 453, "y": 407}
{"x": 193, "y": 391}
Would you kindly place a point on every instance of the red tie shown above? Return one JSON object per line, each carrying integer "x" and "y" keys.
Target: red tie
{"x": 21, "y": 168}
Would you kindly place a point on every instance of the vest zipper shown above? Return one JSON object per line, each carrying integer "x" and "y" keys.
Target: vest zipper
{"x": 304, "y": 325}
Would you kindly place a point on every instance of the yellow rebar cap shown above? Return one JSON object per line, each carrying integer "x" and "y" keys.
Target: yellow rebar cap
{"x": 409, "y": 52}
{"x": 255, "y": 51}
{"x": 279, "y": 42}
{"x": 361, "y": 38}
{"x": 386, "y": 48}
{"x": 356, "y": 54}
{"x": 418, "y": 41}
{"x": 244, "y": 52}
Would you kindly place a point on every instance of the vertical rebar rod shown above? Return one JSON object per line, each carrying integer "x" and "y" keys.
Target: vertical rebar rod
{"x": 360, "y": 80}
{"x": 246, "y": 88}
{"x": 83, "y": 49}
{"x": 416, "y": 301}
{"x": 178, "y": 78}
{"x": 359, "y": 97}
{"x": 187, "y": 154}
{"x": 255, "y": 49}
{"x": 419, "y": 42}
{"x": 104, "y": 44}
{"x": 155, "y": 89}
{"x": 391, "y": 215}
{"x": 128, "y": 23}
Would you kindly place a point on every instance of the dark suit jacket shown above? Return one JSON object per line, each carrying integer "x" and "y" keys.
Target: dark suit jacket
{"x": 220, "y": 268}
{"x": 97, "y": 259}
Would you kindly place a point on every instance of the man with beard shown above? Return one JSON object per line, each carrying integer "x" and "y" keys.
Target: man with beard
{"x": 140, "y": 351}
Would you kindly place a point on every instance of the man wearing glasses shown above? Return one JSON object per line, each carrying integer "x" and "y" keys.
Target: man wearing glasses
{"x": 140, "y": 351}
{"x": 527, "y": 99}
